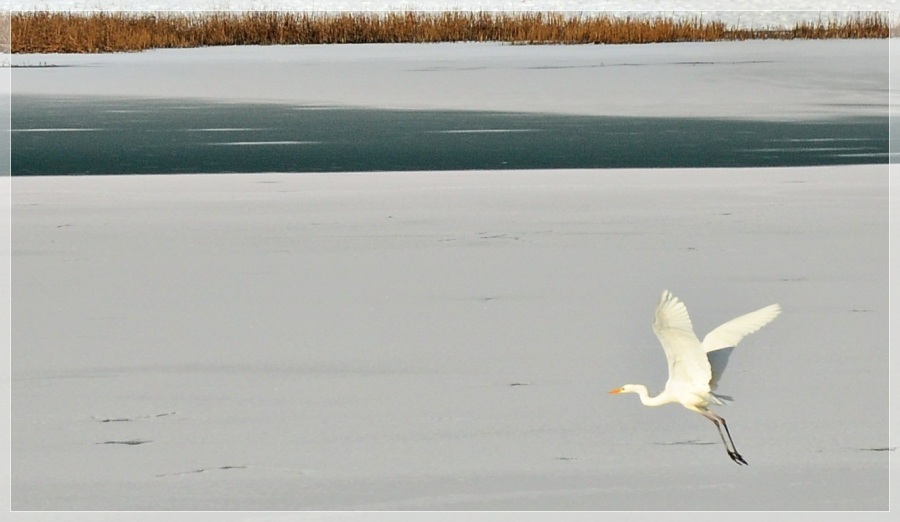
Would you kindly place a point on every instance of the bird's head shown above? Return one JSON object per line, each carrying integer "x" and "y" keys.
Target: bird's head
{"x": 628, "y": 388}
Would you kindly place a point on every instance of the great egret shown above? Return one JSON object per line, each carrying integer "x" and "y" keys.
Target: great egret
{"x": 694, "y": 367}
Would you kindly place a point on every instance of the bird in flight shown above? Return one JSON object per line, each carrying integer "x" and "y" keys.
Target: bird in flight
{"x": 694, "y": 367}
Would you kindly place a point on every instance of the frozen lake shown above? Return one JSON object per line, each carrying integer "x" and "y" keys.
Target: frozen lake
{"x": 444, "y": 339}
{"x": 451, "y": 107}
{"x": 60, "y": 136}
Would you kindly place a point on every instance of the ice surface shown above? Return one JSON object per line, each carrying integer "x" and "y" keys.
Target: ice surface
{"x": 443, "y": 340}
{"x": 761, "y": 79}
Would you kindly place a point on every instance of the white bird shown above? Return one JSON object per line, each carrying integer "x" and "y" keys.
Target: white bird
{"x": 694, "y": 367}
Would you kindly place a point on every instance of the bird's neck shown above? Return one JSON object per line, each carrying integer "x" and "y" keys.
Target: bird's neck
{"x": 647, "y": 400}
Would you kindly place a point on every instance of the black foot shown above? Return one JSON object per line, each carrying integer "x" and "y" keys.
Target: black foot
{"x": 735, "y": 456}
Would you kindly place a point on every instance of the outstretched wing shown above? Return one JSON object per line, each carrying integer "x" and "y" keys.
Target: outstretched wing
{"x": 720, "y": 342}
{"x": 688, "y": 364}
{"x": 718, "y": 360}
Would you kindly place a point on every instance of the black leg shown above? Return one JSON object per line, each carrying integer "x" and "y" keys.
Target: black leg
{"x": 731, "y": 450}
{"x": 735, "y": 456}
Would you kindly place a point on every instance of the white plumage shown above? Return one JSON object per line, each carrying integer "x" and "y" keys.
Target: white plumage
{"x": 695, "y": 367}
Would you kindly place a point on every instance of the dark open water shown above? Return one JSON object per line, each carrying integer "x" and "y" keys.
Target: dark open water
{"x": 65, "y": 136}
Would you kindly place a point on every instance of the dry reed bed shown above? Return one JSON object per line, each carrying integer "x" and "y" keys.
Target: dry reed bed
{"x": 58, "y": 32}
{"x": 5, "y": 46}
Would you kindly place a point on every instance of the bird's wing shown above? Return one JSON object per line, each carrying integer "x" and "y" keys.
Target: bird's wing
{"x": 720, "y": 342}
{"x": 688, "y": 365}
{"x": 718, "y": 360}
{"x": 731, "y": 333}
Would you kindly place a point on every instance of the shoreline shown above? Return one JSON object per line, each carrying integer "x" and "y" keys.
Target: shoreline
{"x": 105, "y": 32}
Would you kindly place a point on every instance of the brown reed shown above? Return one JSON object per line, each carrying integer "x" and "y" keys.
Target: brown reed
{"x": 5, "y": 46}
{"x": 64, "y": 32}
